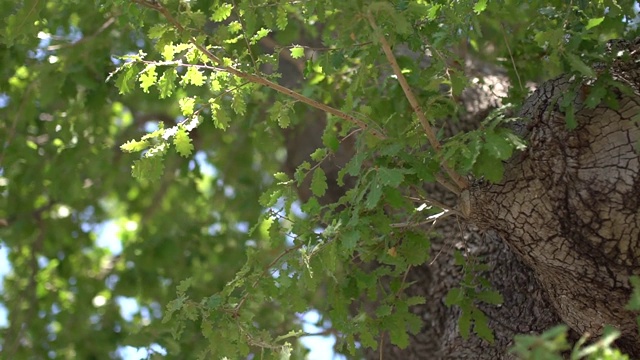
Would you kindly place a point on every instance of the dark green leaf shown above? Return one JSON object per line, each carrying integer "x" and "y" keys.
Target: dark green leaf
{"x": 318, "y": 182}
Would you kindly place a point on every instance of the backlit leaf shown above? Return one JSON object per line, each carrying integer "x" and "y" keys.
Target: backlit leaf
{"x": 221, "y": 12}
{"x": 134, "y": 146}
{"x": 297, "y": 52}
{"x": 193, "y": 76}
{"x": 182, "y": 142}
{"x": 148, "y": 78}
{"x": 186, "y": 105}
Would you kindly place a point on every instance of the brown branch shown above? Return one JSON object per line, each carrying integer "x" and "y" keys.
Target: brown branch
{"x": 459, "y": 182}
{"x": 155, "y": 5}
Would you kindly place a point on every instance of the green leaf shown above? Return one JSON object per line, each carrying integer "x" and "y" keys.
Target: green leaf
{"x": 125, "y": 81}
{"x": 182, "y": 142}
{"x": 186, "y": 105}
{"x": 148, "y": 78}
{"x": 391, "y": 177}
{"x": 349, "y": 241}
{"x": 167, "y": 52}
{"x": 416, "y": 300}
{"x": 219, "y": 115}
{"x": 488, "y": 166}
{"x": 481, "y": 326}
{"x": 490, "y": 297}
{"x": 297, "y": 52}
{"x": 281, "y": 177}
{"x": 133, "y": 146}
{"x": 480, "y": 6}
{"x": 594, "y": 22}
{"x": 454, "y": 296}
{"x": 464, "y": 324}
{"x": 221, "y": 13}
{"x": 166, "y": 84}
{"x": 156, "y": 31}
{"x": 634, "y": 303}
{"x": 280, "y": 113}
{"x": 374, "y": 195}
{"x": 285, "y": 352}
{"x": 383, "y": 310}
{"x": 319, "y": 154}
{"x": 281, "y": 20}
{"x": 193, "y": 76}
{"x": 269, "y": 198}
{"x": 498, "y": 146}
{"x": 579, "y": 65}
{"x": 398, "y": 332}
{"x": 318, "y": 182}
{"x": 238, "y": 105}
{"x": 214, "y": 302}
{"x": 330, "y": 139}
{"x": 259, "y": 35}
{"x": 415, "y": 248}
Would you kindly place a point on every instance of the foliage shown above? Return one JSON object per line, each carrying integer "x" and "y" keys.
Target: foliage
{"x": 165, "y": 121}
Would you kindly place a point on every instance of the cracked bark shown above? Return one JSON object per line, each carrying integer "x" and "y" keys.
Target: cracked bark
{"x": 560, "y": 232}
{"x": 569, "y": 207}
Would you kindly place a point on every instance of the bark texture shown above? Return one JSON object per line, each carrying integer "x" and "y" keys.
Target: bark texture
{"x": 569, "y": 207}
{"x": 560, "y": 232}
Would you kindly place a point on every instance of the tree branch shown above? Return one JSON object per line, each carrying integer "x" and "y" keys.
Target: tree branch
{"x": 460, "y": 183}
{"x": 155, "y": 5}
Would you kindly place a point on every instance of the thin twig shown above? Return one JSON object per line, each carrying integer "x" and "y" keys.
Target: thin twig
{"x": 258, "y": 79}
{"x": 246, "y": 39}
{"x": 458, "y": 181}
{"x": 513, "y": 62}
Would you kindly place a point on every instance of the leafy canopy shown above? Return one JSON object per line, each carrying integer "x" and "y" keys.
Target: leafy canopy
{"x": 143, "y": 142}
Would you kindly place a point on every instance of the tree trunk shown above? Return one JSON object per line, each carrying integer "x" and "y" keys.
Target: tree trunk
{"x": 569, "y": 207}
{"x": 560, "y": 231}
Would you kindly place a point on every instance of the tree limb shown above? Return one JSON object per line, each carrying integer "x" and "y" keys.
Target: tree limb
{"x": 460, "y": 182}
{"x": 258, "y": 79}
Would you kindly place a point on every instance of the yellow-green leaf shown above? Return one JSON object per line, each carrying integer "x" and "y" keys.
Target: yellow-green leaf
{"x": 186, "y": 105}
{"x": 133, "y": 145}
{"x": 221, "y": 12}
{"x": 148, "y": 77}
{"x": 594, "y": 22}
{"x": 182, "y": 142}
{"x": 297, "y": 52}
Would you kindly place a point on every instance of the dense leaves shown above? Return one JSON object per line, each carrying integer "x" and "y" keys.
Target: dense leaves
{"x": 142, "y": 198}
